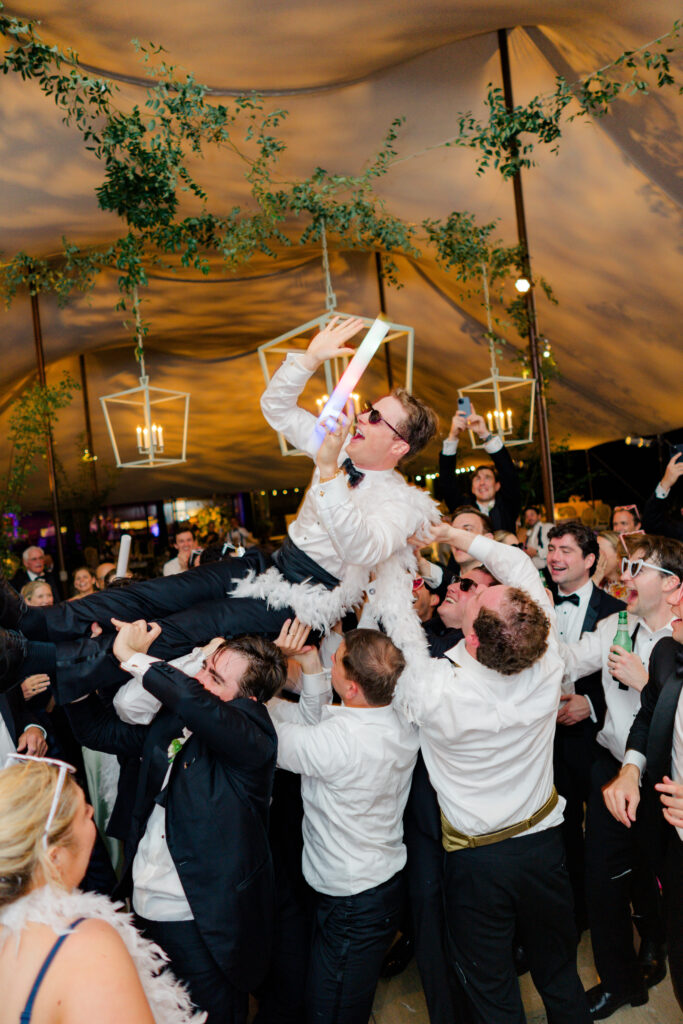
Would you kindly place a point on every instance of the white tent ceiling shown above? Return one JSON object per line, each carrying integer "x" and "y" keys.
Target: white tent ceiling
{"x": 604, "y": 216}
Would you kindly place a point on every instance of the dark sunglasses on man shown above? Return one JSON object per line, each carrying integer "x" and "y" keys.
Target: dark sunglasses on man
{"x": 375, "y": 416}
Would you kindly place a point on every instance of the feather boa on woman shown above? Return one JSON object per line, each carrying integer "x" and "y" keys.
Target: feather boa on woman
{"x": 58, "y": 908}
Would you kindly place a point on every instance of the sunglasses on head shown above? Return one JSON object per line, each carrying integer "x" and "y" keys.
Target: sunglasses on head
{"x": 633, "y": 509}
{"x": 63, "y": 767}
{"x": 375, "y": 416}
{"x": 632, "y": 566}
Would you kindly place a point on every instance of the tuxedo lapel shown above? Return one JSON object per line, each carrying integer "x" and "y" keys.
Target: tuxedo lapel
{"x": 660, "y": 738}
{"x": 592, "y": 612}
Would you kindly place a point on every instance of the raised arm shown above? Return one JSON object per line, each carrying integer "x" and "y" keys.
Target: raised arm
{"x": 278, "y": 402}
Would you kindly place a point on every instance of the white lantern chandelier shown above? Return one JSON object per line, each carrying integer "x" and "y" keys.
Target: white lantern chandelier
{"x": 506, "y": 403}
{"x": 298, "y": 339}
{"x": 148, "y": 418}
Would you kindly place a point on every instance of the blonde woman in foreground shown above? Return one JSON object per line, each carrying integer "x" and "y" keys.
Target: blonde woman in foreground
{"x": 67, "y": 957}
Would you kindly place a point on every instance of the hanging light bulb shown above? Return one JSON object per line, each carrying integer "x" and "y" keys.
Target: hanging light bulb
{"x": 522, "y": 284}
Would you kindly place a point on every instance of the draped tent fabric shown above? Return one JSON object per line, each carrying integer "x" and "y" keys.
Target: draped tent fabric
{"x": 604, "y": 216}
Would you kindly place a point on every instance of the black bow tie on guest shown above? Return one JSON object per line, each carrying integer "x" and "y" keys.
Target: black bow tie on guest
{"x": 572, "y": 598}
{"x": 355, "y": 476}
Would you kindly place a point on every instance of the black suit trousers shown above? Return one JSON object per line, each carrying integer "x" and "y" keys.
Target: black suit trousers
{"x": 191, "y": 962}
{"x": 618, "y": 873}
{"x": 516, "y": 887}
{"x": 149, "y": 599}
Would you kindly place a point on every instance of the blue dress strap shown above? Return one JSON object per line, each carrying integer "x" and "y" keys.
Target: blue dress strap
{"x": 28, "y": 1009}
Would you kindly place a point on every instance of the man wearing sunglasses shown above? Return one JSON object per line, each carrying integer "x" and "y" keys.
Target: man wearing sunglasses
{"x": 652, "y": 771}
{"x": 357, "y": 515}
{"x": 617, "y": 872}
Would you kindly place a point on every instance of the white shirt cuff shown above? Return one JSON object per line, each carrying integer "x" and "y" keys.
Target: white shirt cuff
{"x": 636, "y": 758}
{"x": 449, "y": 447}
{"x": 593, "y": 716}
{"x": 435, "y": 575}
{"x": 138, "y": 663}
{"x": 661, "y": 492}
{"x": 35, "y": 725}
{"x": 493, "y": 445}
{"x": 317, "y": 683}
{"x": 332, "y": 492}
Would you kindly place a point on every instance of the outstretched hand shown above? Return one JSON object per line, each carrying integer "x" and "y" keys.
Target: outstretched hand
{"x": 331, "y": 342}
{"x": 327, "y": 459}
{"x": 292, "y": 643}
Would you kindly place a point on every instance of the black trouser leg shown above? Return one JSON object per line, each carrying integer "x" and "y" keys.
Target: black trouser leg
{"x": 191, "y": 962}
{"x": 673, "y": 899}
{"x": 150, "y": 599}
{"x": 350, "y": 938}
{"x": 574, "y": 752}
{"x": 88, "y": 664}
{"x": 609, "y": 865}
{"x": 425, "y": 881}
{"x": 520, "y": 884}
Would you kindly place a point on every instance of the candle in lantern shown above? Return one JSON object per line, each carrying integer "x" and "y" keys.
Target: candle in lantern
{"x": 509, "y": 419}
{"x": 489, "y": 420}
{"x": 139, "y": 433}
{"x": 124, "y": 553}
{"x": 160, "y": 444}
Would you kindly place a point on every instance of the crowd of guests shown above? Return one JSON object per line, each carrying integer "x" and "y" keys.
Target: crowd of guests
{"x": 398, "y": 735}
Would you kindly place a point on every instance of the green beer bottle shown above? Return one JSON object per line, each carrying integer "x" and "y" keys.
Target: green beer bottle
{"x": 622, "y": 638}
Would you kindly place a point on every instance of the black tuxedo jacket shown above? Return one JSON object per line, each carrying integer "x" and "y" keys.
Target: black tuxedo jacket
{"x": 14, "y": 713}
{"x": 653, "y": 727}
{"x": 21, "y": 578}
{"x": 508, "y": 501}
{"x": 600, "y": 605}
{"x": 659, "y": 516}
{"x": 217, "y": 801}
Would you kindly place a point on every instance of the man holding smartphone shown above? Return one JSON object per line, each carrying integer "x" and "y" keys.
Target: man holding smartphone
{"x": 495, "y": 488}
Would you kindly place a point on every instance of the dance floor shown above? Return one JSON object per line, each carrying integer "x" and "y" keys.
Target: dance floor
{"x": 400, "y": 1001}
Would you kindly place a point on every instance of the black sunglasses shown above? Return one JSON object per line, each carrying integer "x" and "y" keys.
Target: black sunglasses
{"x": 375, "y": 416}
{"x": 467, "y": 584}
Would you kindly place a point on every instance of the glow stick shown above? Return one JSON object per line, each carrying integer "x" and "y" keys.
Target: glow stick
{"x": 124, "y": 554}
{"x": 329, "y": 415}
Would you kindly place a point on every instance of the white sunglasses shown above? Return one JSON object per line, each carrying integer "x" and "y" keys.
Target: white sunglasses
{"x": 64, "y": 767}
{"x": 633, "y": 566}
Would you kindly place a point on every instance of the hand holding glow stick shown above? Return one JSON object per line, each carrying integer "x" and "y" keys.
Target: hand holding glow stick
{"x": 329, "y": 415}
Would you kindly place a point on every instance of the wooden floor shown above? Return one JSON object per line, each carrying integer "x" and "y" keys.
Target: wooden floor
{"x": 400, "y": 1001}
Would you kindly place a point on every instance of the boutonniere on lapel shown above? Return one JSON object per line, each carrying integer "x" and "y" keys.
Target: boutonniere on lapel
{"x": 177, "y": 744}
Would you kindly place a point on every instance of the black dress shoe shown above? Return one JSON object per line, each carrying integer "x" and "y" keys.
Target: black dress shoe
{"x": 398, "y": 957}
{"x": 13, "y": 650}
{"x": 12, "y": 605}
{"x": 652, "y": 960}
{"x": 602, "y": 1004}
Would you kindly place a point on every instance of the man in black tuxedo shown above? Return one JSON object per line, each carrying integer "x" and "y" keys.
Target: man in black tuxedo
{"x": 655, "y": 748}
{"x": 572, "y": 556}
{"x": 660, "y": 514}
{"x": 197, "y": 853}
{"x": 495, "y": 489}
{"x": 33, "y": 568}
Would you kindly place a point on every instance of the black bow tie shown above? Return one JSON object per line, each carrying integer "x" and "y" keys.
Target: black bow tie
{"x": 572, "y": 598}
{"x": 355, "y": 476}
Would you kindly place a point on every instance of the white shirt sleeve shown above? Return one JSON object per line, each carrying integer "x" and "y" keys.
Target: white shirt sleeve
{"x": 320, "y": 750}
{"x": 493, "y": 445}
{"x": 449, "y": 447}
{"x": 661, "y": 491}
{"x": 583, "y": 657}
{"x": 636, "y": 758}
{"x": 132, "y": 703}
{"x": 278, "y": 404}
{"x": 316, "y": 693}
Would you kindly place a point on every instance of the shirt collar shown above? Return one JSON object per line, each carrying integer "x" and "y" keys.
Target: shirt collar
{"x": 582, "y": 593}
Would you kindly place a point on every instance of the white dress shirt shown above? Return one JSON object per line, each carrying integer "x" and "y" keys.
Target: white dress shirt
{"x": 537, "y": 537}
{"x": 487, "y": 738}
{"x": 570, "y": 617}
{"x": 355, "y": 765}
{"x": 331, "y": 527}
{"x": 7, "y": 746}
{"x": 590, "y": 654}
{"x": 172, "y": 567}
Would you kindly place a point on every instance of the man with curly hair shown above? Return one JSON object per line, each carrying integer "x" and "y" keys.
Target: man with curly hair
{"x": 487, "y": 721}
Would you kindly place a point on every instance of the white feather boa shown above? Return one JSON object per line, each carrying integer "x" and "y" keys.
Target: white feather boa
{"x": 389, "y": 594}
{"x": 57, "y": 908}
